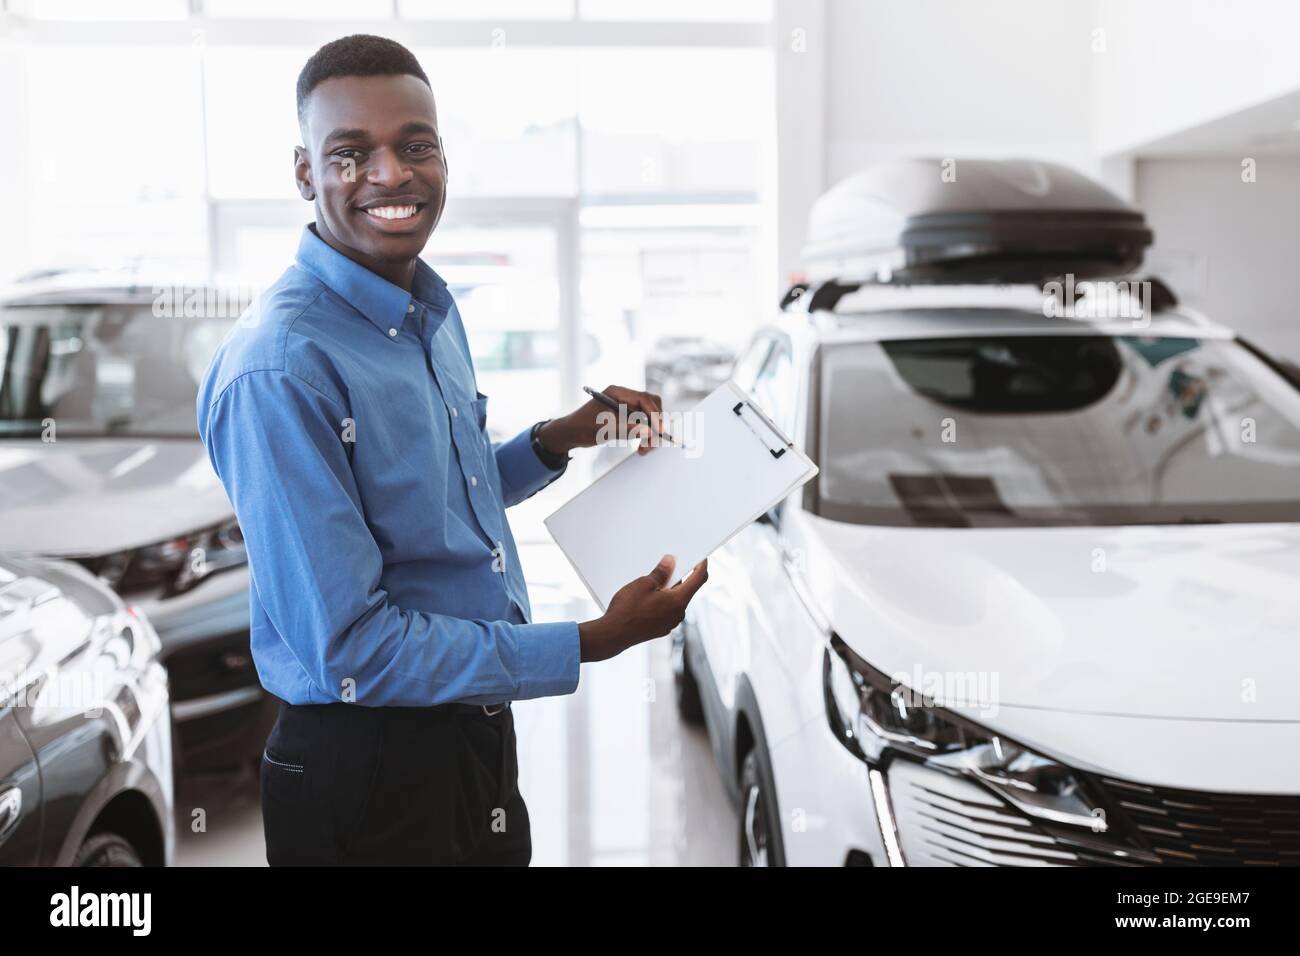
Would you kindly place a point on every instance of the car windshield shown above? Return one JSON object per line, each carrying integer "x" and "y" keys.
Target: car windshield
{"x": 1014, "y": 430}
{"x": 102, "y": 370}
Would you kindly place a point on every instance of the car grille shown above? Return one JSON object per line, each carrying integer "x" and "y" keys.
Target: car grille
{"x": 1193, "y": 828}
{"x": 944, "y": 820}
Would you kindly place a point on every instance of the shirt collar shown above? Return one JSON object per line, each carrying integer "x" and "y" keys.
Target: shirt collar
{"x": 384, "y": 304}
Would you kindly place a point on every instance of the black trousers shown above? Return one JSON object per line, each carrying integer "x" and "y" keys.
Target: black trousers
{"x": 344, "y": 784}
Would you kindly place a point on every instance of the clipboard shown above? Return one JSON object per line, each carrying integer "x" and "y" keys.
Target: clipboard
{"x": 733, "y": 465}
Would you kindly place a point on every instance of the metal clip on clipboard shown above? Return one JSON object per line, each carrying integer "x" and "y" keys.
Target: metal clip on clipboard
{"x": 784, "y": 442}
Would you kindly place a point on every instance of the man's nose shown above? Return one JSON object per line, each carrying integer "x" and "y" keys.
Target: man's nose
{"x": 388, "y": 170}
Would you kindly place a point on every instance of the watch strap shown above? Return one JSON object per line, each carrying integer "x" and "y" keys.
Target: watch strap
{"x": 550, "y": 460}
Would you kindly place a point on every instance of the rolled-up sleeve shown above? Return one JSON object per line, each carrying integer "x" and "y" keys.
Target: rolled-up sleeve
{"x": 275, "y": 441}
{"x": 523, "y": 474}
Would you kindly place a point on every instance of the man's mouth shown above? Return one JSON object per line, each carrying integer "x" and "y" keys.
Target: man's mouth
{"x": 402, "y": 214}
{"x": 394, "y": 212}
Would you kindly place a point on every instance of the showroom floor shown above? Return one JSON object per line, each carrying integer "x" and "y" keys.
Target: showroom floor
{"x": 610, "y": 774}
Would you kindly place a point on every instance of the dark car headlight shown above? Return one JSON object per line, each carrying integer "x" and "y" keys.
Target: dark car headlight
{"x": 175, "y": 565}
{"x": 877, "y": 718}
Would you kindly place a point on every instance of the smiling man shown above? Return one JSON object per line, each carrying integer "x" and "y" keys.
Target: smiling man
{"x": 389, "y": 610}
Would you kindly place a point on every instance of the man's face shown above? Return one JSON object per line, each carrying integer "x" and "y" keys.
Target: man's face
{"x": 373, "y": 164}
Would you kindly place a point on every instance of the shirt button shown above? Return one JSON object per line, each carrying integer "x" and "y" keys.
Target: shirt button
{"x": 454, "y": 412}
{"x": 392, "y": 332}
{"x": 473, "y": 480}
{"x": 411, "y": 307}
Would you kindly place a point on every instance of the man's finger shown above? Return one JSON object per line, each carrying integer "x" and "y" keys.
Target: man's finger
{"x": 663, "y": 571}
{"x": 688, "y": 585}
{"x": 653, "y": 409}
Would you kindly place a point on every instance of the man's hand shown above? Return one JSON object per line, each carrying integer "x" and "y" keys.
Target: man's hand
{"x": 644, "y": 609}
{"x": 591, "y": 422}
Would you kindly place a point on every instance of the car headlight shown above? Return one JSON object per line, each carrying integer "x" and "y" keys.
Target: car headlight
{"x": 876, "y": 717}
{"x": 126, "y": 641}
{"x": 175, "y": 565}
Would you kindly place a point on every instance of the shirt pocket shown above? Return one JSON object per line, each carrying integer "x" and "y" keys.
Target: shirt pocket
{"x": 479, "y": 407}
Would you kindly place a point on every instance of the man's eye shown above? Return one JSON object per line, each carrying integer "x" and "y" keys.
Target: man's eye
{"x": 420, "y": 149}
{"x": 348, "y": 153}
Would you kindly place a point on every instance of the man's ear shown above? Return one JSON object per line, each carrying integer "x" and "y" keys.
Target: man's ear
{"x": 302, "y": 173}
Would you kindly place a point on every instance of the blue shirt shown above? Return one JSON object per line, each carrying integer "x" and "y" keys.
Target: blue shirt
{"x": 343, "y": 416}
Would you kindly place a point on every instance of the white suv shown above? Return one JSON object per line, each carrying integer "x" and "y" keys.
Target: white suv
{"x": 1038, "y": 606}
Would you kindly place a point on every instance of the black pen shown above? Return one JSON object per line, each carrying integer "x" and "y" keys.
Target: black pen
{"x": 611, "y": 403}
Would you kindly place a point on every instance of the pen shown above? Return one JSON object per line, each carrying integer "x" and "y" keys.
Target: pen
{"x": 610, "y": 403}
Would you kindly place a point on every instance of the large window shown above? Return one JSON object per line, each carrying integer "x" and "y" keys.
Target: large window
{"x": 113, "y": 156}
{"x": 638, "y": 171}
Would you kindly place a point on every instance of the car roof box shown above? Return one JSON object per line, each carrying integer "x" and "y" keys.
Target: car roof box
{"x": 971, "y": 220}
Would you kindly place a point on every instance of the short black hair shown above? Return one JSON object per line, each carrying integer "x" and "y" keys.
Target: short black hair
{"x": 360, "y": 54}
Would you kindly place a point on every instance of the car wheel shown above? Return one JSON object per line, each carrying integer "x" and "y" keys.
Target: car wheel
{"x": 758, "y": 847}
{"x": 106, "y": 849}
{"x": 686, "y": 690}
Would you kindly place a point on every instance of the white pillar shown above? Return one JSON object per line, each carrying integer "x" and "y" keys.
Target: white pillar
{"x": 799, "y": 177}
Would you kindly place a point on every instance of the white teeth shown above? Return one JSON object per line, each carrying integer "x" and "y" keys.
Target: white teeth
{"x": 391, "y": 212}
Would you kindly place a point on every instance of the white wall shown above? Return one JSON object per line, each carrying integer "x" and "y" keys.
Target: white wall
{"x": 990, "y": 78}
{"x": 1184, "y": 90}
{"x": 1228, "y": 247}
{"x": 801, "y": 46}
{"x": 1173, "y": 64}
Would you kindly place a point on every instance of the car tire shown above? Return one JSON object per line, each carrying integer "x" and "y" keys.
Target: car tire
{"x": 686, "y": 690}
{"x": 759, "y": 839}
{"x": 106, "y": 849}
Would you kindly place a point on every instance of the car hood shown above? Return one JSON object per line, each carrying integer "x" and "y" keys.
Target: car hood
{"x": 97, "y": 496}
{"x": 1184, "y": 623}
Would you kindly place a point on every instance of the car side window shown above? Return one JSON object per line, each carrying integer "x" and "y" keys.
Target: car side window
{"x": 774, "y": 388}
{"x": 749, "y": 364}
{"x": 773, "y": 392}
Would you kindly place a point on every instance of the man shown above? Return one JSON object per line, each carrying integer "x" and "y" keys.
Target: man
{"x": 389, "y": 612}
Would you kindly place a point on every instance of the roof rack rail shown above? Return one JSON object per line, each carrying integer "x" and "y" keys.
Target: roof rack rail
{"x": 1162, "y": 297}
{"x": 793, "y": 294}
{"x": 829, "y": 293}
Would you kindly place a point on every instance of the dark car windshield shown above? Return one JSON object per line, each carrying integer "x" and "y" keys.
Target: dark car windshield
{"x": 100, "y": 370}
{"x": 1019, "y": 430}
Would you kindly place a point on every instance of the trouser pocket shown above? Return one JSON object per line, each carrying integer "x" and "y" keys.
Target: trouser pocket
{"x": 289, "y": 817}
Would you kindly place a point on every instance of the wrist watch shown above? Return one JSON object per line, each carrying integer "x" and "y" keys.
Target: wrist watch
{"x": 549, "y": 459}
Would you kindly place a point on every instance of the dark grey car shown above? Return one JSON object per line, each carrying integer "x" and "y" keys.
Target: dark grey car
{"x": 85, "y": 738}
